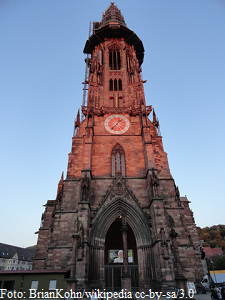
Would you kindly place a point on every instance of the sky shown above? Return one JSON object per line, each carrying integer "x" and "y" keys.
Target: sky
{"x": 41, "y": 73}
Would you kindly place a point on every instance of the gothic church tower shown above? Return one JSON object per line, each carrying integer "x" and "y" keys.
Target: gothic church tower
{"x": 118, "y": 220}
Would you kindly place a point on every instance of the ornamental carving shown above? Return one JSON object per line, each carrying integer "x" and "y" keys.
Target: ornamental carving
{"x": 80, "y": 250}
{"x": 84, "y": 187}
{"x": 169, "y": 219}
{"x": 177, "y": 196}
{"x": 164, "y": 245}
{"x": 119, "y": 189}
{"x": 76, "y": 225}
{"x": 114, "y": 45}
{"x": 131, "y": 110}
{"x": 154, "y": 184}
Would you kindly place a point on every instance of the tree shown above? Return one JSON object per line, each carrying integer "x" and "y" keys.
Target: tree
{"x": 213, "y": 243}
{"x": 222, "y": 244}
{"x": 206, "y": 236}
{"x": 205, "y": 244}
{"x": 220, "y": 263}
{"x": 213, "y": 236}
{"x": 222, "y": 232}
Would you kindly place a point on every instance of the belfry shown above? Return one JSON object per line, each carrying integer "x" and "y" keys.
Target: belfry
{"x": 118, "y": 221}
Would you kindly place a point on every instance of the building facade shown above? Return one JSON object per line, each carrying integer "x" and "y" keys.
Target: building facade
{"x": 118, "y": 220}
{"x": 15, "y": 258}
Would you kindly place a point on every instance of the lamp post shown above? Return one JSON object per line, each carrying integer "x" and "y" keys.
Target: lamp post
{"x": 213, "y": 269}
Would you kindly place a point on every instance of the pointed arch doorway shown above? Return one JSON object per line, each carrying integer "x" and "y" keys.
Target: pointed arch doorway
{"x": 113, "y": 257}
{"x": 138, "y": 225}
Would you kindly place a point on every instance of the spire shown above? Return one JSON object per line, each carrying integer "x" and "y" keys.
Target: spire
{"x": 112, "y": 15}
{"x": 77, "y": 123}
{"x": 113, "y": 25}
{"x": 60, "y": 185}
{"x": 155, "y": 121}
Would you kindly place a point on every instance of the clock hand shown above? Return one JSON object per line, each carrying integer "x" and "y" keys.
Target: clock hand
{"x": 117, "y": 123}
{"x": 114, "y": 126}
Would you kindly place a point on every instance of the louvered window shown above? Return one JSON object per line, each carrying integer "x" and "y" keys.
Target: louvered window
{"x": 111, "y": 85}
{"x": 120, "y": 85}
{"x": 115, "y": 85}
{"x": 114, "y": 60}
{"x": 118, "y": 160}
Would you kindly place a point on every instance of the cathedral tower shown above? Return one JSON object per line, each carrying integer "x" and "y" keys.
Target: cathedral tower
{"x": 118, "y": 220}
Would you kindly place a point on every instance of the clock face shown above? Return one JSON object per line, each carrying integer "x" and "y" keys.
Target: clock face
{"x": 117, "y": 124}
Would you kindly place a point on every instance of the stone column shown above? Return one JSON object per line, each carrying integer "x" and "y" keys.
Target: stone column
{"x": 126, "y": 274}
{"x": 72, "y": 281}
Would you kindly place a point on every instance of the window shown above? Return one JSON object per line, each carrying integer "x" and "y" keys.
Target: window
{"x": 111, "y": 85}
{"x": 115, "y": 85}
{"x": 52, "y": 285}
{"x": 118, "y": 160}
{"x": 114, "y": 60}
{"x": 120, "y": 85}
{"x": 9, "y": 285}
{"x": 34, "y": 285}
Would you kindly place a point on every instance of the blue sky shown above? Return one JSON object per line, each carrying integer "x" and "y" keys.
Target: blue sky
{"x": 41, "y": 73}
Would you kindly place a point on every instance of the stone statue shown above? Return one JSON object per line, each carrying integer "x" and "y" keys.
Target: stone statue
{"x": 164, "y": 245}
{"x": 154, "y": 184}
{"x": 76, "y": 225}
{"x": 80, "y": 253}
{"x": 84, "y": 187}
{"x": 92, "y": 69}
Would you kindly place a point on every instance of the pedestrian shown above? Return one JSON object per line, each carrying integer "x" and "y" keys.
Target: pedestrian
{"x": 223, "y": 292}
{"x": 94, "y": 295}
{"x": 214, "y": 294}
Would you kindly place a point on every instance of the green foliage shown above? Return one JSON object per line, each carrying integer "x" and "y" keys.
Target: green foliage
{"x": 205, "y": 244}
{"x": 222, "y": 232}
{"x": 220, "y": 263}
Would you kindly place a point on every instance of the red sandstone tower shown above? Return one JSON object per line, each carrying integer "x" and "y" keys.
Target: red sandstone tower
{"x": 118, "y": 220}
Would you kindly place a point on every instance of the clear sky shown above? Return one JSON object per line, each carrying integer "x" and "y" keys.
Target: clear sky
{"x": 41, "y": 73}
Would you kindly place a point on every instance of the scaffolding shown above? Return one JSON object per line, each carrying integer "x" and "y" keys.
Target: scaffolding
{"x": 87, "y": 60}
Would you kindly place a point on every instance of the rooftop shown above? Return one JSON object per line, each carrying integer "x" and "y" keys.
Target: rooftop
{"x": 8, "y": 251}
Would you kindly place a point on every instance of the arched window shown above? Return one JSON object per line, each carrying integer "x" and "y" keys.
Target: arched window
{"x": 118, "y": 160}
{"x": 111, "y": 85}
{"x": 120, "y": 85}
{"x": 114, "y": 60}
{"x": 115, "y": 85}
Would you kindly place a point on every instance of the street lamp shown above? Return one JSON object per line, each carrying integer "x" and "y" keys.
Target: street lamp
{"x": 213, "y": 269}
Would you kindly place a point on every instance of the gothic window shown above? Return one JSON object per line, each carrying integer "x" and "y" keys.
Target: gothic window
{"x": 120, "y": 85}
{"x": 113, "y": 165}
{"x": 118, "y": 160}
{"x": 114, "y": 60}
{"x": 115, "y": 85}
{"x": 111, "y": 85}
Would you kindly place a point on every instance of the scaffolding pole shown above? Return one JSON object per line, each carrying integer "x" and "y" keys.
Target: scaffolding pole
{"x": 86, "y": 77}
